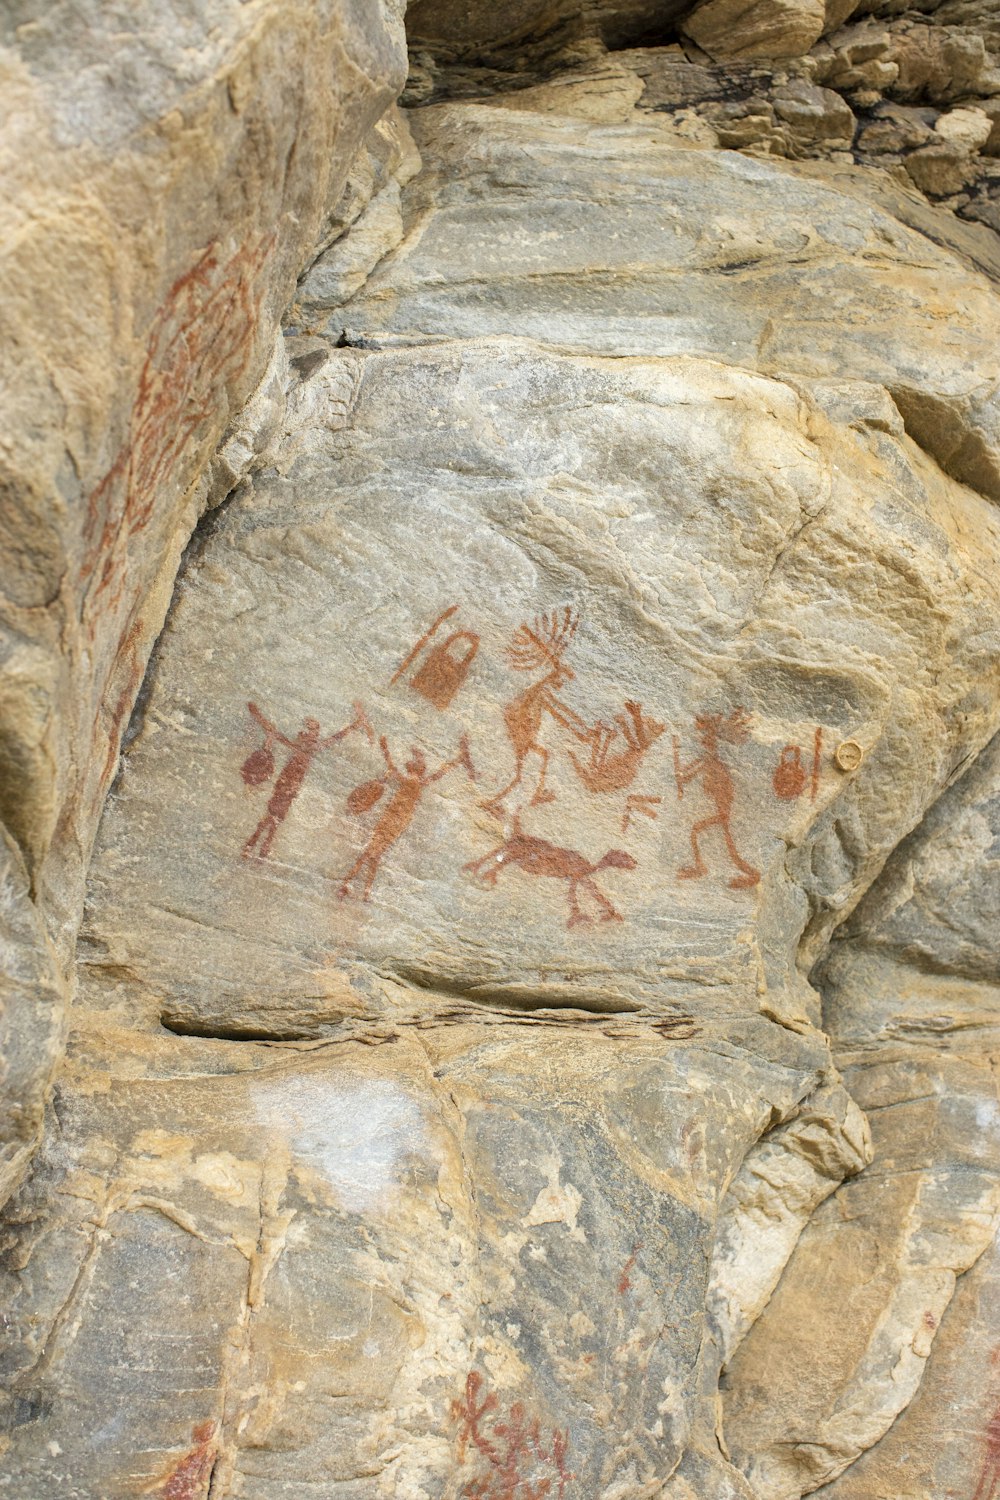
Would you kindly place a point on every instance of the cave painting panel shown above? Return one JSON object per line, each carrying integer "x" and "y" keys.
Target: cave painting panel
{"x": 601, "y": 759}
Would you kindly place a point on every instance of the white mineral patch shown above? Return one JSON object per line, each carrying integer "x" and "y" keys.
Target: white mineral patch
{"x": 356, "y": 1134}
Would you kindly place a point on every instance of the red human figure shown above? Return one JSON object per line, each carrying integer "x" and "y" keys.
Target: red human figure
{"x": 409, "y": 786}
{"x": 539, "y": 646}
{"x": 539, "y": 857}
{"x": 304, "y": 747}
{"x": 717, "y": 784}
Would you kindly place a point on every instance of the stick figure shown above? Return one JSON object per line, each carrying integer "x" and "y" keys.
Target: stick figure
{"x": 717, "y": 784}
{"x": 304, "y": 747}
{"x": 539, "y": 857}
{"x": 535, "y": 646}
{"x": 410, "y": 785}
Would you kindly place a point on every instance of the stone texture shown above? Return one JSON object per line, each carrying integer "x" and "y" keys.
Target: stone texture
{"x": 535, "y": 1028}
{"x": 155, "y": 216}
{"x": 728, "y": 29}
{"x": 910, "y": 1000}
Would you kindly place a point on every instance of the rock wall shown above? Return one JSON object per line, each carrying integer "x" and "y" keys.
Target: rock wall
{"x": 534, "y": 1020}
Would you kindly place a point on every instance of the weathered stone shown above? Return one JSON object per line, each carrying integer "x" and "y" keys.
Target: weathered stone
{"x": 910, "y": 998}
{"x": 536, "y": 1003}
{"x": 966, "y": 128}
{"x": 756, "y": 28}
{"x": 778, "y": 238}
{"x": 940, "y": 170}
{"x": 155, "y": 215}
{"x": 814, "y": 114}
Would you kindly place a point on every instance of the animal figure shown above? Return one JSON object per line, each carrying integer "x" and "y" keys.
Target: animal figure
{"x": 539, "y": 647}
{"x": 607, "y": 772}
{"x": 538, "y": 857}
{"x": 409, "y": 786}
{"x": 717, "y": 784}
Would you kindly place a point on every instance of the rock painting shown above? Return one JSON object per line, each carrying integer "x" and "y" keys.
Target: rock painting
{"x": 539, "y": 647}
{"x": 445, "y": 664}
{"x": 258, "y": 768}
{"x": 436, "y": 668}
{"x": 716, "y": 782}
{"x": 408, "y": 787}
{"x": 539, "y": 857}
{"x": 199, "y": 343}
{"x": 988, "y": 1487}
{"x": 514, "y": 1457}
{"x": 790, "y": 779}
{"x": 611, "y": 769}
{"x": 191, "y": 1477}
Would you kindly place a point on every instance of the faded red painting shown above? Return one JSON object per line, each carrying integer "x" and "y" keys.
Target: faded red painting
{"x": 198, "y": 346}
{"x": 514, "y": 1456}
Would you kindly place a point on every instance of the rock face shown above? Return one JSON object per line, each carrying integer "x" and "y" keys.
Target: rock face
{"x": 155, "y": 216}
{"x": 534, "y": 1030}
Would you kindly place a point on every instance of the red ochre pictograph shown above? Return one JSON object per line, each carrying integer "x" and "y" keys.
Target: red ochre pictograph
{"x": 716, "y": 782}
{"x": 408, "y": 787}
{"x": 514, "y": 1456}
{"x": 538, "y": 857}
{"x": 258, "y": 768}
{"x": 436, "y": 668}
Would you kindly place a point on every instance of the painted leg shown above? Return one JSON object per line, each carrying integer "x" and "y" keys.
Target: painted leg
{"x": 610, "y": 913}
{"x": 577, "y": 918}
{"x": 750, "y": 876}
{"x": 495, "y": 802}
{"x": 698, "y": 869}
{"x": 541, "y": 795}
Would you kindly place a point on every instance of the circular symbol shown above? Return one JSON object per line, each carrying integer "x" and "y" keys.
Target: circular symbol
{"x": 849, "y": 755}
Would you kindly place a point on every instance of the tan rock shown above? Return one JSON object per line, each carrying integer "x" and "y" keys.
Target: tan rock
{"x": 756, "y": 28}
{"x": 154, "y": 217}
{"x": 940, "y": 170}
{"x": 967, "y": 128}
{"x": 814, "y": 114}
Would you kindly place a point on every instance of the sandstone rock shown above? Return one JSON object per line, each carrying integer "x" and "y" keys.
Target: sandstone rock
{"x": 536, "y": 1002}
{"x": 910, "y": 994}
{"x": 548, "y": 1098}
{"x": 940, "y": 170}
{"x": 756, "y": 28}
{"x": 783, "y": 239}
{"x": 897, "y": 128}
{"x": 966, "y": 128}
{"x": 814, "y": 114}
{"x": 155, "y": 216}
{"x": 507, "y": 33}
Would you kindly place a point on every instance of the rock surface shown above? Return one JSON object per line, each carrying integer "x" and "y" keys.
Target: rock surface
{"x": 155, "y": 216}
{"x": 535, "y": 1031}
